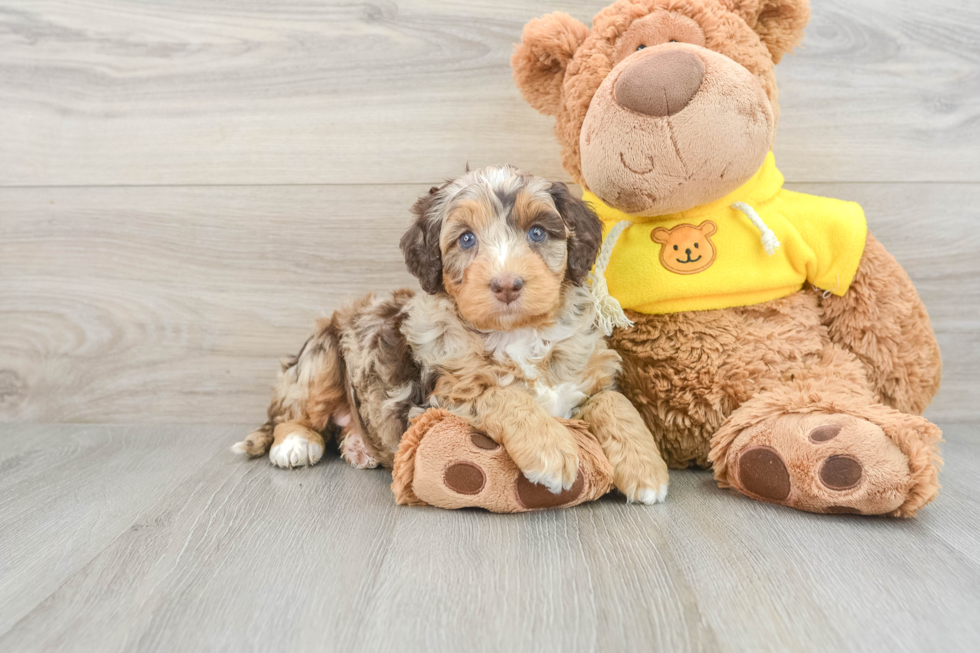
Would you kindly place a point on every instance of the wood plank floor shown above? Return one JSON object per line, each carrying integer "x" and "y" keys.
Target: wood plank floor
{"x": 160, "y": 539}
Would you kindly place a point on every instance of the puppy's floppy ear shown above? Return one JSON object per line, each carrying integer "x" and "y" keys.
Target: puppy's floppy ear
{"x": 420, "y": 244}
{"x": 540, "y": 59}
{"x": 584, "y": 232}
{"x": 779, "y": 23}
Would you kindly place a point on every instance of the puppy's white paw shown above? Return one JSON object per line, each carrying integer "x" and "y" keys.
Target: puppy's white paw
{"x": 556, "y": 470}
{"x": 642, "y": 480}
{"x": 649, "y": 495}
{"x": 550, "y": 481}
{"x": 296, "y": 451}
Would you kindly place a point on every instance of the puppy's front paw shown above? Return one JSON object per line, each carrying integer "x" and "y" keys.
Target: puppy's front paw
{"x": 296, "y": 450}
{"x": 551, "y": 461}
{"x": 643, "y": 481}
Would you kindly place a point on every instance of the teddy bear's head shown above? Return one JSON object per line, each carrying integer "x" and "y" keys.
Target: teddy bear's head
{"x": 665, "y": 104}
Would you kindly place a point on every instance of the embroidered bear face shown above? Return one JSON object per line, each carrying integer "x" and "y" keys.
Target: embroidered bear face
{"x": 686, "y": 249}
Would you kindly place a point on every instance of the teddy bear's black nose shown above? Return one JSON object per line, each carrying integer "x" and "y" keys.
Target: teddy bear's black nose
{"x": 660, "y": 83}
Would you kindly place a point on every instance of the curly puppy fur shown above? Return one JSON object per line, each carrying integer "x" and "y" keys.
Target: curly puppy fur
{"x": 503, "y": 336}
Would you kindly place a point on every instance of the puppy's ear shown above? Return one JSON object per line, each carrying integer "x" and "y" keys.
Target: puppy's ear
{"x": 540, "y": 59}
{"x": 584, "y": 232}
{"x": 420, "y": 244}
{"x": 779, "y": 23}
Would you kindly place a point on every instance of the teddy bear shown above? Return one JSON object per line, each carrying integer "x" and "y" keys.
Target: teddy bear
{"x": 765, "y": 334}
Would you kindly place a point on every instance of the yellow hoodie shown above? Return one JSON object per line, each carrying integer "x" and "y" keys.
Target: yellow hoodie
{"x": 715, "y": 256}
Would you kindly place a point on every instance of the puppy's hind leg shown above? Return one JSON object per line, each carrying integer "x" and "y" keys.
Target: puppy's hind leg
{"x": 294, "y": 444}
{"x": 311, "y": 390}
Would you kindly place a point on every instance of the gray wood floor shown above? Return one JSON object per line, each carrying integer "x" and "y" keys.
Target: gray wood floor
{"x": 186, "y": 186}
{"x": 158, "y": 538}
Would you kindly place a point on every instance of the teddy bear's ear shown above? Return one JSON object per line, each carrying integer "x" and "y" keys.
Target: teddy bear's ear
{"x": 779, "y": 23}
{"x": 539, "y": 61}
{"x": 660, "y": 235}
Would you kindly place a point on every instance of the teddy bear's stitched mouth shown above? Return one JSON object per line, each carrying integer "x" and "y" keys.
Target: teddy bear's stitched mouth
{"x": 622, "y": 159}
{"x": 689, "y": 259}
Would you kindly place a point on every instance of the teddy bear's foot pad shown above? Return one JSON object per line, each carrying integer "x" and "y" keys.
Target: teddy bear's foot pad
{"x": 828, "y": 463}
{"x": 444, "y": 462}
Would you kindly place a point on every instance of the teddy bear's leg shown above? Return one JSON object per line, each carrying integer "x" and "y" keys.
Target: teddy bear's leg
{"x": 883, "y": 321}
{"x": 823, "y": 444}
{"x": 443, "y": 461}
{"x": 638, "y": 470}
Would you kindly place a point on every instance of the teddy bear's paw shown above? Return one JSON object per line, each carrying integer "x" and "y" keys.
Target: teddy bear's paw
{"x": 829, "y": 463}
{"x": 456, "y": 466}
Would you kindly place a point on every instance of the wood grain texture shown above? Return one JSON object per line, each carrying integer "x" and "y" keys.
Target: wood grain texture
{"x": 116, "y": 92}
{"x": 237, "y": 555}
{"x": 175, "y": 304}
{"x": 66, "y": 492}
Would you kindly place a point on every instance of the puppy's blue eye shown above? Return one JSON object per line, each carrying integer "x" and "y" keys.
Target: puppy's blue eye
{"x": 537, "y": 234}
{"x": 640, "y": 47}
{"x": 467, "y": 240}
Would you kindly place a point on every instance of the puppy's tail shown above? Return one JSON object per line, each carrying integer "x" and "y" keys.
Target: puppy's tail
{"x": 311, "y": 390}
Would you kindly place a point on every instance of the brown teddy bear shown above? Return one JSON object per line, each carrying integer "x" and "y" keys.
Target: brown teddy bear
{"x": 773, "y": 337}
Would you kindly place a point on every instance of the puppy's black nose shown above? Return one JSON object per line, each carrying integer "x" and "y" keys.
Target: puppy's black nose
{"x": 506, "y": 288}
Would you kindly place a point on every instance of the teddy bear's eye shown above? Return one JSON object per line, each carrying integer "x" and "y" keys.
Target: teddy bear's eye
{"x": 675, "y": 248}
{"x": 695, "y": 245}
{"x": 640, "y": 47}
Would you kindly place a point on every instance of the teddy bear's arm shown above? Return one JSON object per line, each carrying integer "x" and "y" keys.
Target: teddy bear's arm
{"x": 884, "y": 322}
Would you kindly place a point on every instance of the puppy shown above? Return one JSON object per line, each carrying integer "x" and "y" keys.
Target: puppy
{"x": 504, "y": 335}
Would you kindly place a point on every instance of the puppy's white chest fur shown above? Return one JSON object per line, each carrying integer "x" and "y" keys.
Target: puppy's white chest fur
{"x": 528, "y": 348}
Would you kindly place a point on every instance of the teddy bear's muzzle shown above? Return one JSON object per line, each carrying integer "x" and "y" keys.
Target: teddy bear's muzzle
{"x": 672, "y": 127}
